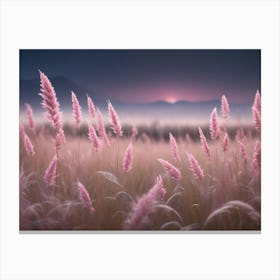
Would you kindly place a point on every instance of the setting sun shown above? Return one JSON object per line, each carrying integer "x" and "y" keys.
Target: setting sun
{"x": 171, "y": 99}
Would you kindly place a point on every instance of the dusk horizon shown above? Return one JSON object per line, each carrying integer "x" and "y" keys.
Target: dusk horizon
{"x": 165, "y": 84}
{"x": 146, "y": 76}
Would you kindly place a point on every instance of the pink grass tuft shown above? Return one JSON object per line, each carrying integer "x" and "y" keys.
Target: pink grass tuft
{"x": 214, "y": 126}
{"x": 256, "y": 110}
{"x": 225, "y": 142}
{"x": 101, "y": 128}
{"x": 77, "y": 111}
{"x": 174, "y": 147}
{"x": 257, "y": 102}
{"x": 91, "y": 107}
{"x": 21, "y": 132}
{"x": 256, "y": 163}
{"x": 243, "y": 152}
{"x": 59, "y": 139}
{"x": 30, "y": 118}
{"x": 195, "y": 167}
{"x": 224, "y": 107}
{"x": 84, "y": 196}
{"x": 50, "y": 173}
{"x": 28, "y": 146}
{"x": 257, "y": 119}
{"x": 50, "y": 103}
{"x": 94, "y": 138}
{"x": 204, "y": 143}
{"x": 128, "y": 158}
{"x": 171, "y": 169}
{"x": 116, "y": 125}
{"x": 138, "y": 218}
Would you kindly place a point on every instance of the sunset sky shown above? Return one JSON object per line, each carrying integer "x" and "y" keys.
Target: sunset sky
{"x": 143, "y": 76}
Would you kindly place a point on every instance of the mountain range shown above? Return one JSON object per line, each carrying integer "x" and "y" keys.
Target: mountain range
{"x": 160, "y": 109}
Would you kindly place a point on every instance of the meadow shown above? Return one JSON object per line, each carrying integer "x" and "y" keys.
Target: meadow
{"x": 98, "y": 176}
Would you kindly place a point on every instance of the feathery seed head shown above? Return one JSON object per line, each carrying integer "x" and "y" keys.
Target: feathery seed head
{"x": 116, "y": 125}
{"x": 144, "y": 206}
{"x": 59, "y": 139}
{"x": 257, "y": 102}
{"x": 50, "y": 173}
{"x": 214, "y": 126}
{"x": 50, "y": 103}
{"x": 204, "y": 143}
{"x": 171, "y": 169}
{"x": 30, "y": 118}
{"x": 21, "y": 132}
{"x": 257, "y": 119}
{"x": 84, "y": 196}
{"x": 101, "y": 128}
{"x": 28, "y": 146}
{"x": 91, "y": 107}
{"x": 243, "y": 152}
{"x": 174, "y": 147}
{"x": 128, "y": 158}
{"x": 77, "y": 111}
{"x": 94, "y": 138}
{"x": 195, "y": 167}
{"x": 256, "y": 163}
{"x": 224, "y": 107}
{"x": 225, "y": 142}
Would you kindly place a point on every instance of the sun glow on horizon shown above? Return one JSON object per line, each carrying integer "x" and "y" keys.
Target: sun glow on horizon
{"x": 171, "y": 99}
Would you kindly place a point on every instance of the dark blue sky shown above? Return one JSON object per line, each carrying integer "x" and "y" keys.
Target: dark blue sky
{"x": 149, "y": 75}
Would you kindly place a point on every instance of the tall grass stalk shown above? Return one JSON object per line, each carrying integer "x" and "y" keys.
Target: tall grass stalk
{"x": 116, "y": 126}
{"x": 77, "y": 114}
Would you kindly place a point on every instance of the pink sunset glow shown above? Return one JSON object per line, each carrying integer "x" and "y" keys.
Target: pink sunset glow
{"x": 173, "y": 94}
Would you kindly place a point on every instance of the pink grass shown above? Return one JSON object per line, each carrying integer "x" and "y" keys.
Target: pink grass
{"x": 171, "y": 169}
{"x": 128, "y": 158}
{"x": 257, "y": 102}
{"x": 84, "y": 196}
{"x": 195, "y": 167}
{"x": 50, "y": 173}
{"x": 256, "y": 162}
{"x": 116, "y": 124}
{"x": 91, "y": 107}
{"x": 138, "y": 218}
{"x": 94, "y": 138}
{"x": 214, "y": 126}
{"x": 257, "y": 119}
{"x": 225, "y": 142}
{"x": 30, "y": 117}
{"x": 59, "y": 139}
{"x": 224, "y": 107}
{"x": 243, "y": 152}
{"x": 101, "y": 128}
{"x": 77, "y": 111}
{"x": 50, "y": 103}
{"x": 174, "y": 147}
{"x": 204, "y": 144}
{"x": 29, "y": 148}
{"x": 21, "y": 131}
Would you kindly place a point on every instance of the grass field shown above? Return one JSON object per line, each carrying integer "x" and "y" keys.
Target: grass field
{"x": 229, "y": 191}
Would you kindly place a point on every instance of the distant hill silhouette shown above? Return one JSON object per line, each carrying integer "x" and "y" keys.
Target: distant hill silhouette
{"x": 158, "y": 110}
{"x": 63, "y": 86}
